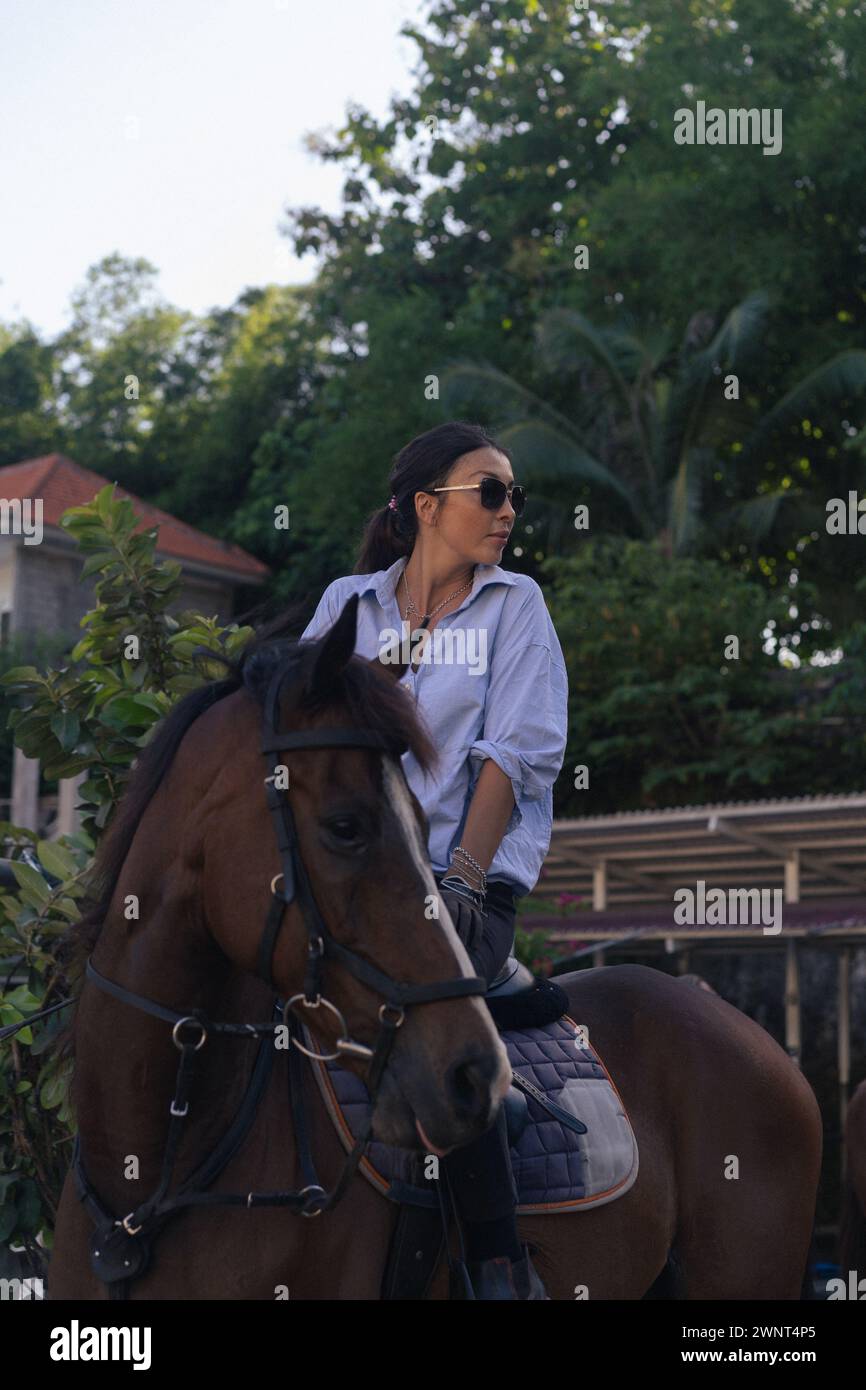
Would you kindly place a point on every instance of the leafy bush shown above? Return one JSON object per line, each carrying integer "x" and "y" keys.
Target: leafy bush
{"x": 93, "y": 714}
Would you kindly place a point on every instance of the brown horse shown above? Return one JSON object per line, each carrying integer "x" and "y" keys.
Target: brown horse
{"x": 852, "y": 1227}
{"x": 728, "y": 1130}
{"x": 697, "y": 981}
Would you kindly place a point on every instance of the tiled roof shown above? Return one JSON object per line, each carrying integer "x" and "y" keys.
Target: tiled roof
{"x": 61, "y": 482}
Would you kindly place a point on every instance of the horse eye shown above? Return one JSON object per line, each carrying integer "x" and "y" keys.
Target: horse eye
{"x": 345, "y": 828}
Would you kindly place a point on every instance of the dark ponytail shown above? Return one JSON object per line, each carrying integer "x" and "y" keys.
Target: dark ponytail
{"x": 422, "y": 464}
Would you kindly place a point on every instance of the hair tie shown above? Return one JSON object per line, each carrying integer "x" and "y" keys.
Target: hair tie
{"x": 393, "y": 503}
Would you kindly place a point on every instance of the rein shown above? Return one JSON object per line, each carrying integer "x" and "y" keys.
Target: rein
{"x": 120, "y": 1248}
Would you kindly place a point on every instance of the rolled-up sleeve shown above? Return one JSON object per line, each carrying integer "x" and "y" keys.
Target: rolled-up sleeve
{"x": 526, "y": 707}
{"x": 325, "y": 615}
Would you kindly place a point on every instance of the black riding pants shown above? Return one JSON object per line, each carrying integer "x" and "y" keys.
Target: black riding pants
{"x": 480, "y": 1173}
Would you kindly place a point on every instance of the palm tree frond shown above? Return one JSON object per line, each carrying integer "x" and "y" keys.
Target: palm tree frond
{"x": 545, "y": 453}
{"x": 754, "y": 519}
{"x": 566, "y": 337}
{"x": 842, "y": 375}
{"x": 684, "y": 498}
{"x": 463, "y": 382}
{"x": 691, "y": 401}
{"x": 740, "y": 331}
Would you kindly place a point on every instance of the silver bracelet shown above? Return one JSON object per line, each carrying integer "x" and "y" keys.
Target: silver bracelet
{"x": 463, "y": 871}
{"x": 473, "y": 863}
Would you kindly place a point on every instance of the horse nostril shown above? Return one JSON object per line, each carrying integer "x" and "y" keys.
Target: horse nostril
{"x": 468, "y": 1084}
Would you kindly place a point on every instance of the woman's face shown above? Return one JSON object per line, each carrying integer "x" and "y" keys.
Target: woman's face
{"x": 475, "y": 534}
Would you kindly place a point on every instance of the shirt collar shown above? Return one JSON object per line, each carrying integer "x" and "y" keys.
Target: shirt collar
{"x": 384, "y": 583}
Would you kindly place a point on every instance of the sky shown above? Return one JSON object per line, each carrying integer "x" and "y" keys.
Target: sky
{"x": 173, "y": 130}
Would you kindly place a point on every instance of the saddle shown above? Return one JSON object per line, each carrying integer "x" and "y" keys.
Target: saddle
{"x": 572, "y": 1144}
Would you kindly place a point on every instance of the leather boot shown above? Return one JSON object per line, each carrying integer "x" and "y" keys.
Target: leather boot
{"x": 503, "y": 1278}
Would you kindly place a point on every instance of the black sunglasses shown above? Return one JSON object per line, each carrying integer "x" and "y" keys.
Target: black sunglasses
{"x": 493, "y": 493}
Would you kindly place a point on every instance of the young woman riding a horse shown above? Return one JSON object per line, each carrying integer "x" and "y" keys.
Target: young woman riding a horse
{"x": 492, "y": 691}
{"x": 200, "y": 1148}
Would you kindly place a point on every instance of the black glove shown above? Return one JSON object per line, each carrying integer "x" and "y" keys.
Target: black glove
{"x": 466, "y": 910}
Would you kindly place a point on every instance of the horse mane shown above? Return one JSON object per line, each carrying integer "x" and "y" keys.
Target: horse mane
{"x": 373, "y": 699}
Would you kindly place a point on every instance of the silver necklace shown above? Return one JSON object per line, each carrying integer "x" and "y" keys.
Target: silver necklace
{"x": 427, "y": 616}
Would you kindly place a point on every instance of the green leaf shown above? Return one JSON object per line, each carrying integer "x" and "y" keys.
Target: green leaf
{"x": 136, "y": 710}
{"x": 57, "y": 860}
{"x": 21, "y": 674}
{"x": 22, "y": 998}
{"x": 8, "y": 831}
{"x": 97, "y": 561}
{"x": 24, "y": 1035}
{"x": 65, "y": 727}
{"x": 64, "y": 767}
{"x": 48, "y": 1037}
{"x": 52, "y": 1092}
{"x": 68, "y": 908}
{"x": 32, "y": 723}
{"x": 103, "y": 501}
{"x": 77, "y": 514}
{"x": 31, "y": 882}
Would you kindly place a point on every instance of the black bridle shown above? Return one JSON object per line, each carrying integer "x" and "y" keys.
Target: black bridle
{"x": 120, "y": 1249}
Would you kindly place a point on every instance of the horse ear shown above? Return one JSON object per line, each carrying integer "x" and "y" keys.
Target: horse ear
{"x": 397, "y": 670}
{"x": 335, "y": 651}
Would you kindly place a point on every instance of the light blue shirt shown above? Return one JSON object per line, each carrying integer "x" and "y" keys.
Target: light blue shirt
{"x": 496, "y": 689}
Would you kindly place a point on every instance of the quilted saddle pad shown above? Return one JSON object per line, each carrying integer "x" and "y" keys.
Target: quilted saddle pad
{"x": 582, "y": 1157}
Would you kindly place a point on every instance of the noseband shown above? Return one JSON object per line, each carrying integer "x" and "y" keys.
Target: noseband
{"x": 120, "y": 1249}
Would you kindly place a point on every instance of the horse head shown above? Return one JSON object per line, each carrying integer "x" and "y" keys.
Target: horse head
{"x": 360, "y": 883}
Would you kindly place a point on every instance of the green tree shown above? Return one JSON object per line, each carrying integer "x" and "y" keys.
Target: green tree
{"x": 661, "y": 713}
{"x": 534, "y": 128}
{"x": 26, "y": 425}
{"x": 654, "y": 431}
